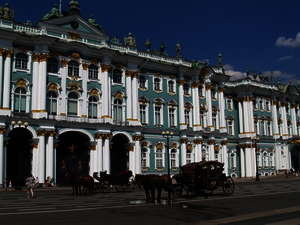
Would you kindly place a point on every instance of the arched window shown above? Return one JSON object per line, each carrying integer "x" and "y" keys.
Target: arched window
{"x": 73, "y": 69}
{"x": 171, "y": 86}
{"x": 20, "y": 100}
{"x": 72, "y": 104}
{"x": 93, "y": 105}
{"x": 52, "y": 65}
{"x": 144, "y": 158}
{"x": 173, "y": 158}
{"x": 172, "y": 116}
{"x": 118, "y": 110}
{"x": 157, "y": 114}
{"x": 52, "y": 103}
{"x": 143, "y": 113}
{"x": 142, "y": 82}
{"x": 189, "y": 157}
{"x": 21, "y": 61}
{"x": 157, "y": 84}
{"x": 117, "y": 77}
{"x": 159, "y": 159}
{"x": 93, "y": 72}
{"x": 186, "y": 89}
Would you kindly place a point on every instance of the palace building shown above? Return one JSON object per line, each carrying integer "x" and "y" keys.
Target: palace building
{"x": 68, "y": 89}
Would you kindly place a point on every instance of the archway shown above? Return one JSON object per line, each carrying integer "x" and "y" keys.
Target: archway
{"x": 19, "y": 156}
{"x": 72, "y": 153}
{"x": 119, "y": 155}
{"x": 295, "y": 157}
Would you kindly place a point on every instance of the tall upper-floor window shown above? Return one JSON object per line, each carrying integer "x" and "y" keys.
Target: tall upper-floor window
{"x": 143, "y": 114}
{"x": 186, "y": 89}
{"x": 20, "y": 100}
{"x": 269, "y": 128}
{"x": 201, "y": 91}
{"x": 214, "y": 120}
{"x": 202, "y": 114}
{"x": 230, "y": 127}
{"x": 93, "y": 72}
{"x": 159, "y": 158}
{"x": 187, "y": 118}
{"x": 21, "y": 61}
{"x": 157, "y": 84}
{"x": 171, "y": 86}
{"x": 73, "y": 69}
{"x": 142, "y": 82}
{"x": 145, "y": 158}
{"x": 118, "y": 110}
{"x": 188, "y": 156}
{"x": 117, "y": 76}
{"x": 52, "y": 102}
{"x": 52, "y": 65}
{"x": 73, "y": 104}
{"x": 229, "y": 104}
{"x": 157, "y": 114}
{"x": 172, "y": 116}
{"x": 93, "y": 107}
{"x": 173, "y": 158}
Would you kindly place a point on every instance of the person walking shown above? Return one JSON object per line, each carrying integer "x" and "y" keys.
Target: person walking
{"x": 30, "y": 183}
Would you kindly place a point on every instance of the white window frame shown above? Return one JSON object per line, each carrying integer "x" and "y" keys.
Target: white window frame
{"x": 163, "y": 158}
{"x": 147, "y": 158}
{"x": 146, "y": 83}
{"x": 175, "y": 117}
{"x": 160, "y": 84}
{"x": 161, "y": 114}
{"x": 146, "y": 112}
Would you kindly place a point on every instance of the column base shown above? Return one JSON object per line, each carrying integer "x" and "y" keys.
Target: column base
{"x": 39, "y": 115}
{"x": 183, "y": 127}
{"x": 5, "y": 112}
{"x": 223, "y": 130}
{"x": 197, "y": 128}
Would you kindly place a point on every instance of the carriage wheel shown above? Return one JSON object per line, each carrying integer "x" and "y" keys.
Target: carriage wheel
{"x": 228, "y": 186}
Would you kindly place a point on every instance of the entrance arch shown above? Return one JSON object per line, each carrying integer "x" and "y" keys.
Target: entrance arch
{"x": 295, "y": 157}
{"x": 119, "y": 155}
{"x": 72, "y": 152}
{"x": 19, "y": 156}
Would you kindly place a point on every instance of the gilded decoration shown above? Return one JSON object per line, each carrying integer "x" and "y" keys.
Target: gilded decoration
{"x": 137, "y": 137}
{"x": 41, "y": 133}
{"x": 2, "y": 51}
{"x": 51, "y": 133}
{"x": 144, "y": 144}
{"x": 183, "y": 140}
{"x": 74, "y": 36}
{"x": 130, "y": 148}
{"x": 208, "y": 86}
{"x": 189, "y": 147}
{"x": 35, "y": 57}
{"x": 2, "y": 130}
{"x": 53, "y": 87}
{"x": 132, "y": 73}
{"x": 43, "y": 57}
{"x": 64, "y": 62}
{"x": 9, "y": 53}
{"x": 94, "y": 92}
{"x": 21, "y": 83}
{"x": 74, "y": 86}
{"x": 224, "y": 142}
{"x": 106, "y": 68}
{"x": 119, "y": 95}
{"x": 75, "y": 55}
{"x": 174, "y": 145}
{"x": 159, "y": 146}
{"x": 198, "y": 141}
{"x": 216, "y": 147}
{"x": 211, "y": 141}
{"x": 143, "y": 100}
{"x": 85, "y": 66}
{"x": 195, "y": 85}
{"x": 181, "y": 82}
{"x": 93, "y": 147}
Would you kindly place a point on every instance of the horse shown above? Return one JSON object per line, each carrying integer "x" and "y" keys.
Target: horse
{"x": 121, "y": 178}
{"x": 87, "y": 184}
{"x": 152, "y": 183}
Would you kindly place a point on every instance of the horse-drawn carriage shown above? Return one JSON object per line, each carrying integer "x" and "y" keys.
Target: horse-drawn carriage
{"x": 203, "y": 178}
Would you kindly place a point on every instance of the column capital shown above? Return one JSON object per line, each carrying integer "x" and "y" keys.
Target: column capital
{"x": 43, "y": 57}
{"x": 41, "y": 132}
{"x": 137, "y": 137}
{"x": 51, "y": 133}
{"x": 208, "y": 86}
{"x": 130, "y": 73}
{"x": 2, "y": 130}
{"x": 9, "y": 53}
{"x": 64, "y": 62}
{"x": 195, "y": 85}
{"x": 211, "y": 141}
{"x": 198, "y": 141}
{"x": 106, "y": 68}
{"x": 181, "y": 82}
{"x": 85, "y": 66}
{"x": 183, "y": 140}
{"x": 2, "y": 51}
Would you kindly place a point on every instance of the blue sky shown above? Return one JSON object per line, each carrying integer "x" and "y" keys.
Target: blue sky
{"x": 252, "y": 35}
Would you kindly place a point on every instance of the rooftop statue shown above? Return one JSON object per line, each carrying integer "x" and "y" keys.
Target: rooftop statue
{"x": 130, "y": 41}
{"x": 74, "y": 7}
{"x": 162, "y": 49}
{"x": 6, "y": 12}
{"x": 115, "y": 41}
{"x": 148, "y": 45}
{"x": 178, "y": 50}
{"x": 92, "y": 21}
{"x": 54, "y": 13}
{"x": 197, "y": 65}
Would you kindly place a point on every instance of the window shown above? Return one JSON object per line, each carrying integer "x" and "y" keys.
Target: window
{"x": 260, "y": 104}
{"x": 268, "y": 106}
{"x": 159, "y": 159}
{"x": 214, "y": 120}
{"x": 118, "y": 110}
{"x": 202, "y": 118}
{"x": 73, "y": 69}
{"x": 20, "y": 100}
{"x": 290, "y": 130}
{"x": 271, "y": 159}
{"x": 93, "y": 72}
{"x": 187, "y": 118}
{"x": 255, "y": 126}
{"x": 232, "y": 160}
{"x": 143, "y": 108}
{"x": 261, "y": 127}
{"x": 230, "y": 127}
{"x": 21, "y": 61}
{"x": 173, "y": 158}
{"x": 255, "y": 105}
{"x": 157, "y": 84}
{"x": 52, "y": 65}
{"x": 171, "y": 86}
{"x": 229, "y": 104}
{"x": 186, "y": 89}
{"x": 52, "y": 103}
{"x": 93, "y": 107}
{"x": 265, "y": 160}
{"x": 172, "y": 117}
{"x": 188, "y": 155}
{"x": 269, "y": 131}
{"x": 117, "y": 77}
{"x": 142, "y": 82}
{"x": 72, "y": 104}
{"x": 200, "y": 91}
{"x": 144, "y": 158}
{"x": 157, "y": 110}
{"x": 214, "y": 94}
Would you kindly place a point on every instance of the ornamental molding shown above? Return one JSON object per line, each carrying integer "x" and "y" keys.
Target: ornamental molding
{"x": 21, "y": 83}
{"x": 189, "y": 147}
{"x": 52, "y": 87}
{"x": 137, "y": 137}
{"x": 198, "y": 141}
{"x": 159, "y": 146}
{"x": 183, "y": 140}
{"x": 106, "y": 68}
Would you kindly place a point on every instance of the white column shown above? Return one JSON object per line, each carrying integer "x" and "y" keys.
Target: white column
{"x": 50, "y": 156}
{"x": 183, "y": 152}
{"x": 241, "y": 117}
{"x": 132, "y": 157}
{"x": 138, "y": 156}
{"x": 198, "y": 152}
{"x": 196, "y": 107}
{"x": 93, "y": 160}
{"x": 1, "y": 74}
{"x": 222, "y": 111}
{"x": 209, "y": 106}
{"x": 2, "y": 161}
{"x": 42, "y": 85}
{"x": 84, "y": 111}
{"x": 225, "y": 158}
{"x": 248, "y": 162}
{"x": 284, "y": 120}
{"x": 275, "y": 120}
{"x": 99, "y": 148}
{"x": 41, "y": 158}
{"x": 182, "y": 123}
{"x": 135, "y": 104}
{"x": 129, "y": 97}
{"x": 246, "y": 119}
{"x": 106, "y": 99}
{"x": 6, "y": 83}
{"x": 242, "y": 154}
{"x": 294, "y": 120}
{"x": 62, "y": 102}
{"x": 251, "y": 117}
{"x": 106, "y": 155}
{"x": 211, "y": 151}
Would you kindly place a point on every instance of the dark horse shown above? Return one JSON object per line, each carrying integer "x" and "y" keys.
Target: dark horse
{"x": 122, "y": 178}
{"x": 152, "y": 183}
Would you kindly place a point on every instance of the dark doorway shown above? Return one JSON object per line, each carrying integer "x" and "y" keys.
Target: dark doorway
{"x": 19, "y": 156}
{"x": 295, "y": 157}
{"x": 72, "y": 153}
{"x": 119, "y": 155}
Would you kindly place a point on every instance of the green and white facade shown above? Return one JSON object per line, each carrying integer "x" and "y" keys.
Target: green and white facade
{"x": 66, "y": 76}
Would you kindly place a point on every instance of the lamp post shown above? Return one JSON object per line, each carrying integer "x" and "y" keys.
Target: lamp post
{"x": 168, "y": 134}
{"x": 256, "y": 157}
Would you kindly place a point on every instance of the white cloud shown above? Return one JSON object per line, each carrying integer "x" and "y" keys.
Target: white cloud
{"x": 280, "y": 76}
{"x": 288, "y": 42}
{"x": 235, "y": 75}
{"x": 285, "y": 58}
